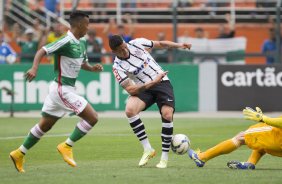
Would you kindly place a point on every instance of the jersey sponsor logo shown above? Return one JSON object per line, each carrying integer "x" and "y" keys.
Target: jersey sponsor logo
{"x": 75, "y": 68}
{"x": 144, "y": 65}
{"x": 116, "y": 74}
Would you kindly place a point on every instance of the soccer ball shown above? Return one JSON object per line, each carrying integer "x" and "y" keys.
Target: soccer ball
{"x": 180, "y": 144}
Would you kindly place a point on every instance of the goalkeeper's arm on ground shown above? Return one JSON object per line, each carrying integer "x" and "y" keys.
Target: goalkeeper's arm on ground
{"x": 257, "y": 115}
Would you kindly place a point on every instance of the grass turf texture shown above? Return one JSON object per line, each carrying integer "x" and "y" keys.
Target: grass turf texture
{"x": 110, "y": 154}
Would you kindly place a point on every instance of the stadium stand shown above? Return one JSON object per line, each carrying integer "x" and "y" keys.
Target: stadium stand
{"x": 249, "y": 14}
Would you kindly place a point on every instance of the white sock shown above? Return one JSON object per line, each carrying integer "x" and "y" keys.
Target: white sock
{"x": 164, "y": 156}
{"x": 69, "y": 142}
{"x": 23, "y": 149}
{"x": 146, "y": 144}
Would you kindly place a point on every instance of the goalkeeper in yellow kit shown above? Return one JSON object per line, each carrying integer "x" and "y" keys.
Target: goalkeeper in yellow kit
{"x": 263, "y": 137}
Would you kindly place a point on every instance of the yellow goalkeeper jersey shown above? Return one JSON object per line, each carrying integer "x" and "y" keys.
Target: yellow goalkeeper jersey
{"x": 265, "y": 138}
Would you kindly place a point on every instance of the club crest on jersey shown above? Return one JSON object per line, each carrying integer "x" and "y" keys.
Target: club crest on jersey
{"x": 138, "y": 53}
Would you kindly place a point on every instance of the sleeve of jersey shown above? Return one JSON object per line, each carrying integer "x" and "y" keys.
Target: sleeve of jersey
{"x": 145, "y": 42}
{"x": 119, "y": 75}
{"x": 276, "y": 122}
{"x": 55, "y": 46}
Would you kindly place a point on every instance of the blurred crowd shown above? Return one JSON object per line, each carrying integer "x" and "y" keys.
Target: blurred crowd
{"x": 22, "y": 43}
{"x": 19, "y": 45}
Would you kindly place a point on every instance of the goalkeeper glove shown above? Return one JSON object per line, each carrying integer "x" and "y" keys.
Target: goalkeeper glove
{"x": 255, "y": 115}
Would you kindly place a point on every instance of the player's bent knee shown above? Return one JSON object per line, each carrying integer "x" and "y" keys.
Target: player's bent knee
{"x": 239, "y": 139}
{"x": 45, "y": 127}
{"x": 167, "y": 115}
{"x": 94, "y": 119}
{"x": 46, "y": 123}
{"x": 167, "y": 112}
{"x": 130, "y": 112}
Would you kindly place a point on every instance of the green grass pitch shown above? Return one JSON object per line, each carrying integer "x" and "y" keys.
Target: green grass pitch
{"x": 110, "y": 154}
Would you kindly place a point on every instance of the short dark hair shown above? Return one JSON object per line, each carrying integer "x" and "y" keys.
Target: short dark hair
{"x": 76, "y": 17}
{"x": 115, "y": 41}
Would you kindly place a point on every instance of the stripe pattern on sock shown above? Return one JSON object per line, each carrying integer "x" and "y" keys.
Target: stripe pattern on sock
{"x": 84, "y": 126}
{"x": 138, "y": 127}
{"x": 36, "y": 131}
{"x": 167, "y": 131}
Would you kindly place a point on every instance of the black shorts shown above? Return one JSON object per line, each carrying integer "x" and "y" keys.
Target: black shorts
{"x": 161, "y": 93}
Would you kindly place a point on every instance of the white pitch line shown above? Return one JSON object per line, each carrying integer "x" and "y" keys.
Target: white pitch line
{"x": 21, "y": 137}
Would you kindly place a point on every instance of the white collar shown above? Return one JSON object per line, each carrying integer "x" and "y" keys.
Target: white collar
{"x": 72, "y": 36}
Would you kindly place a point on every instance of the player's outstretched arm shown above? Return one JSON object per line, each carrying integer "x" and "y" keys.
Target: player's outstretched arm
{"x": 31, "y": 73}
{"x": 169, "y": 44}
{"x": 251, "y": 114}
{"x": 134, "y": 89}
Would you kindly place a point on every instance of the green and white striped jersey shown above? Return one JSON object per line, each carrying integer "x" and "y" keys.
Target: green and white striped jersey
{"x": 69, "y": 54}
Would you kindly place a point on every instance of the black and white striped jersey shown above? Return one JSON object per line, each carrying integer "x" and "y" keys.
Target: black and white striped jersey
{"x": 140, "y": 66}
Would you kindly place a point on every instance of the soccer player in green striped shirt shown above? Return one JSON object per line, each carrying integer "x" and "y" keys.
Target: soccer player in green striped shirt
{"x": 70, "y": 57}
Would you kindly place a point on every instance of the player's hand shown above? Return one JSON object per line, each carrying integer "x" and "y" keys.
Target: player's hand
{"x": 255, "y": 115}
{"x": 30, "y": 74}
{"x": 186, "y": 46}
{"x": 160, "y": 76}
{"x": 97, "y": 68}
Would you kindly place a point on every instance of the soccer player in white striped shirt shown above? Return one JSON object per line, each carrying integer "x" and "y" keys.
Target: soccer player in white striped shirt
{"x": 70, "y": 57}
{"x": 146, "y": 82}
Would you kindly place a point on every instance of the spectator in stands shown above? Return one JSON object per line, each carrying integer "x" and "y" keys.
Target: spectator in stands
{"x": 214, "y": 4}
{"x": 184, "y": 37}
{"x": 162, "y": 55}
{"x": 121, "y": 28}
{"x": 94, "y": 46}
{"x": 7, "y": 54}
{"x": 217, "y": 3}
{"x": 269, "y": 46}
{"x": 200, "y": 33}
{"x": 185, "y": 3}
{"x": 37, "y": 7}
{"x": 58, "y": 31}
{"x": 28, "y": 46}
{"x": 14, "y": 37}
{"x": 223, "y": 32}
{"x": 265, "y": 4}
{"x": 101, "y": 14}
{"x": 52, "y": 5}
{"x": 128, "y": 4}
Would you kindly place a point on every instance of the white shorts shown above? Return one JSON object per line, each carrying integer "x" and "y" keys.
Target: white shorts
{"x": 62, "y": 99}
